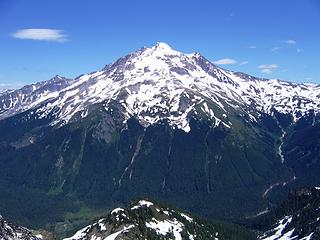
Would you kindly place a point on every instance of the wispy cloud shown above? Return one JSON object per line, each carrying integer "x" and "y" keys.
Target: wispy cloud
{"x": 252, "y": 47}
{"x": 243, "y": 63}
{"x": 275, "y": 49}
{"x": 225, "y": 61}
{"x": 287, "y": 44}
{"x": 299, "y": 50}
{"x": 290, "y": 41}
{"x": 268, "y": 69}
{"x": 41, "y": 34}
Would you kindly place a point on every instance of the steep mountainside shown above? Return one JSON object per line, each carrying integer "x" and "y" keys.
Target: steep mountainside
{"x": 297, "y": 218}
{"x": 156, "y": 123}
{"x": 147, "y": 220}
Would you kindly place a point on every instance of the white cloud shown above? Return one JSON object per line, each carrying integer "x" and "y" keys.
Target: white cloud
{"x": 290, "y": 41}
{"x": 252, "y": 47}
{"x": 243, "y": 63}
{"x": 41, "y": 34}
{"x": 225, "y": 61}
{"x": 274, "y": 49}
{"x": 268, "y": 69}
{"x": 272, "y": 66}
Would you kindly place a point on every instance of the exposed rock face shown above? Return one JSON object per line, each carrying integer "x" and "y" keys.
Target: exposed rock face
{"x": 8, "y": 231}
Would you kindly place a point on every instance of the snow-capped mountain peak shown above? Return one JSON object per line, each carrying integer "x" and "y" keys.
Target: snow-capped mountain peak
{"x": 163, "y": 47}
{"x": 158, "y": 83}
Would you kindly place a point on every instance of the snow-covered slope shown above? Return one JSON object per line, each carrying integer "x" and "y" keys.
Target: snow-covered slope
{"x": 3, "y": 91}
{"x": 161, "y": 83}
{"x": 15, "y": 101}
{"x": 300, "y": 218}
{"x": 281, "y": 233}
{"x": 146, "y": 220}
{"x": 9, "y": 231}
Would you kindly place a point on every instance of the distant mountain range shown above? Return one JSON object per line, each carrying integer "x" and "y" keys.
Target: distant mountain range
{"x": 158, "y": 124}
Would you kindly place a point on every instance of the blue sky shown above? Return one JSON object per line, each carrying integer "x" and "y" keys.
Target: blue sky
{"x": 267, "y": 38}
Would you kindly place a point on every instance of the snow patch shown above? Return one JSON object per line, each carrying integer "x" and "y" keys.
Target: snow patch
{"x": 189, "y": 219}
{"x": 142, "y": 203}
{"x": 167, "y": 226}
{"x": 278, "y": 231}
{"x": 114, "y": 235}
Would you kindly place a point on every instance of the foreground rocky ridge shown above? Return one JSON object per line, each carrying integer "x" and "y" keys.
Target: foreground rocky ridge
{"x": 147, "y": 220}
{"x": 298, "y": 218}
{"x": 143, "y": 220}
{"x": 9, "y": 231}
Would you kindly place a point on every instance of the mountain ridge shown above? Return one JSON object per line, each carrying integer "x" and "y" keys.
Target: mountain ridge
{"x": 146, "y": 219}
{"x": 131, "y": 75}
